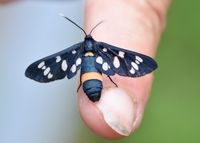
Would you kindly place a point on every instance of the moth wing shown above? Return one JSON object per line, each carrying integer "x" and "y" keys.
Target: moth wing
{"x": 124, "y": 62}
{"x": 103, "y": 63}
{"x": 57, "y": 66}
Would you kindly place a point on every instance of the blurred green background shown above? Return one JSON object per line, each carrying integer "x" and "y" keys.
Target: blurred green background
{"x": 173, "y": 112}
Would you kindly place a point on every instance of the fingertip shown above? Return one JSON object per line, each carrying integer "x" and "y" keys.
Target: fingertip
{"x": 118, "y": 110}
{"x": 112, "y": 117}
{"x": 93, "y": 118}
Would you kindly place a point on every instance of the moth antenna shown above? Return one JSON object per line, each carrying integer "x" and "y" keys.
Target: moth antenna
{"x": 62, "y": 15}
{"x": 96, "y": 26}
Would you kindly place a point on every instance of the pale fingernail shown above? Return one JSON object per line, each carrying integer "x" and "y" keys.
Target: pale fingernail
{"x": 118, "y": 110}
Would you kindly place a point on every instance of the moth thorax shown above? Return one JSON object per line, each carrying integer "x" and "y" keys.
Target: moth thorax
{"x": 89, "y": 44}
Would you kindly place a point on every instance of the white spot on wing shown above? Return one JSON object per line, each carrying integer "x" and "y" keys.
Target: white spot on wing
{"x": 49, "y": 76}
{"x": 139, "y": 59}
{"x": 78, "y": 61}
{"x": 64, "y": 65}
{"x": 46, "y": 71}
{"x": 137, "y": 62}
{"x": 135, "y": 66}
{"x": 105, "y": 66}
{"x": 121, "y": 54}
{"x": 99, "y": 60}
{"x": 116, "y": 62}
{"x": 58, "y": 59}
{"x": 73, "y": 52}
{"x": 44, "y": 67}
{"x": 104, "y": 49}
{"x": 132, "y": 71}
{"x": 41, "y": 65}
{"x": 73, "y": 68}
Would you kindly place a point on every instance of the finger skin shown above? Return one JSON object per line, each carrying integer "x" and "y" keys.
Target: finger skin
{"x": 93, "y": 118}
{"x": 135, "y": 25}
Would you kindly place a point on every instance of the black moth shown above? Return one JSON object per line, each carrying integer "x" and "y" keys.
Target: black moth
{"x": 94, "y": 59}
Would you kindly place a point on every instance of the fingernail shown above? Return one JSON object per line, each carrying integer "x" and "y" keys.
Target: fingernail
{"x": 118, "y": 110}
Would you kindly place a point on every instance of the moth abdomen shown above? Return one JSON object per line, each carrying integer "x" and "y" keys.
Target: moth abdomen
{"x": 91, "y": 78}
{"x": 93, "y": 88}
{"x": 92, "y": 85}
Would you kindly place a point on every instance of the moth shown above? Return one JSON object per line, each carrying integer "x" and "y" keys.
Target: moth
{"x": 93, "y": 58}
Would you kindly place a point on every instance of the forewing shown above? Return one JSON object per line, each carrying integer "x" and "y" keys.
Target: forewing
{"x": 124, "y": 62}
{"x": 104, "y": 63}
{"x": 56, "y": 66}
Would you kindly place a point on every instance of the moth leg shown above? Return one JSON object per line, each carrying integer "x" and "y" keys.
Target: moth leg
{"x": 112, "y": 81}
{"x": 82, "y": 46}
{"x": 79, "y": 85}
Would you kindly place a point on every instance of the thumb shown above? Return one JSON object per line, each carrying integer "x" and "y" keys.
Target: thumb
{"x": 120, "y": 110}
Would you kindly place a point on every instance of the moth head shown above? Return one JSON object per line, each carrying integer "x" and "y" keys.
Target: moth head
{"x": 89, "y": 42}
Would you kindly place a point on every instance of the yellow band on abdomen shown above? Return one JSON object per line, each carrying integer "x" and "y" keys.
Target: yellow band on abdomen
{"x": 91, "y": 75}
{"x": 89, "y": 54}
